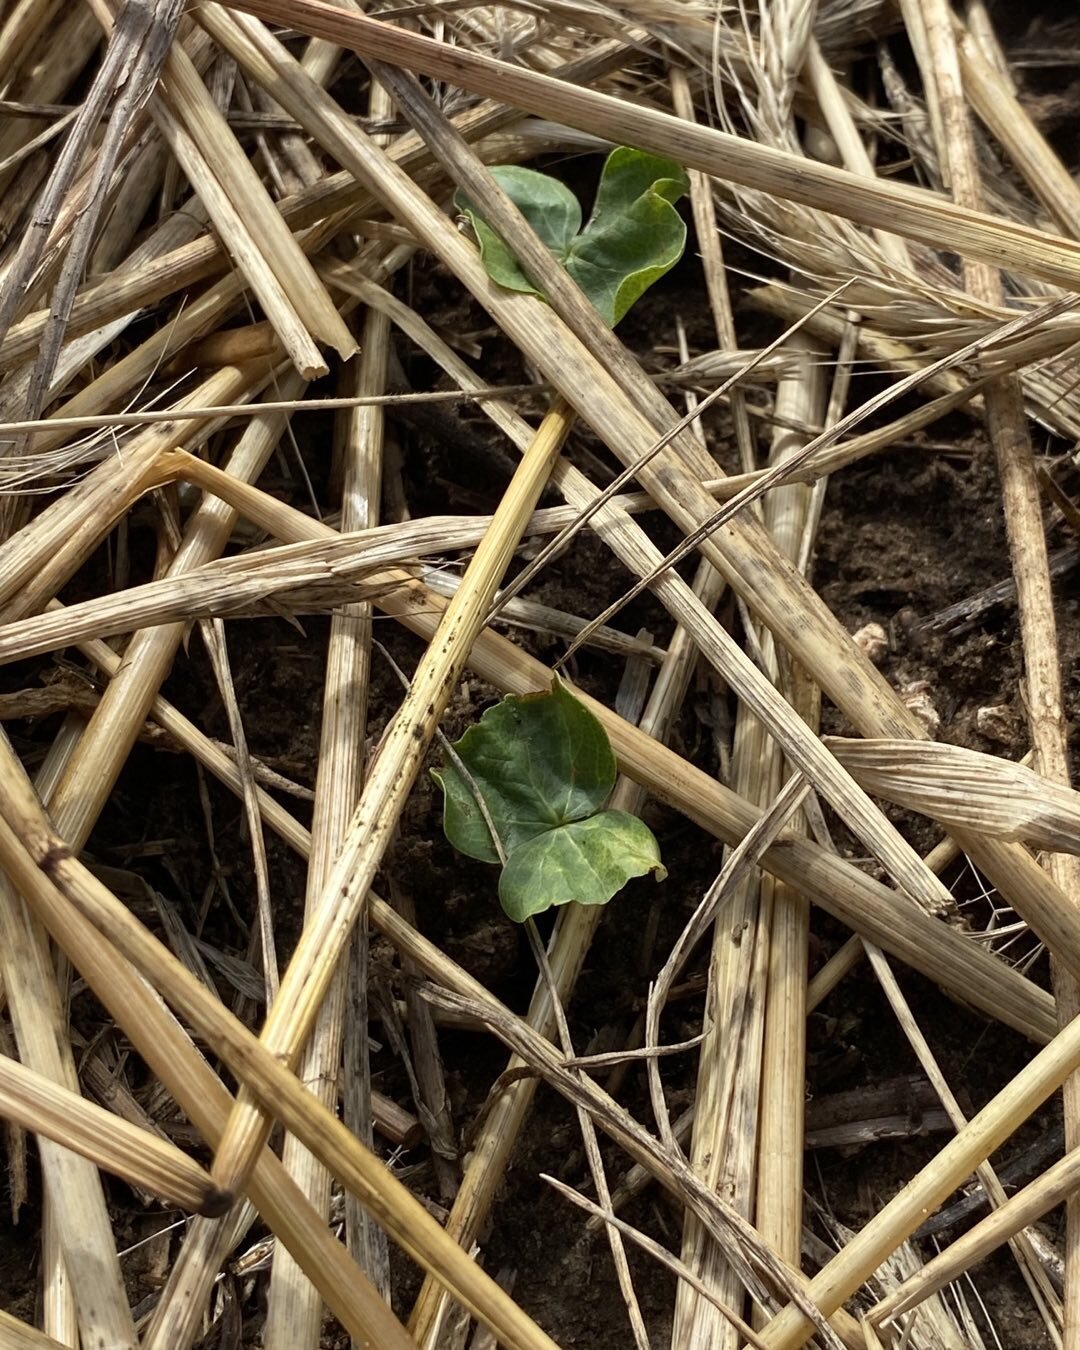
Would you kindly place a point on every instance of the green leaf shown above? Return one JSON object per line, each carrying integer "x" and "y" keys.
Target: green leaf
{"x": 587, "y": 861}
{"x": 538, "y": 761}
{"x": 627, "y": 175}
{"x": 633, "y": 236}
{"x": 548, "y": 205}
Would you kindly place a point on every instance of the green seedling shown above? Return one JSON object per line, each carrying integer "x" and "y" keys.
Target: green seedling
{"x": 632, "y": 238}
{"x": 526, "y": 787}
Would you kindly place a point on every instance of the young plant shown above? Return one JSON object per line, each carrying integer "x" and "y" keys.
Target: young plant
{"x": 632, "y": 238}
{"x": 526, "y": 787}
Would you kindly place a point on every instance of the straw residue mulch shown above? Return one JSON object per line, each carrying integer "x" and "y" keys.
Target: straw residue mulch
{"x": 803, "y": 531}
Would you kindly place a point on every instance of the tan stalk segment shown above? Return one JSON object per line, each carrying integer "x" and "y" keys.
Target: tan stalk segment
{"x": 112, "y": 1143}
{"x": 294, "y": 1313}
{"x": 740, "y": 549}
{"x": 724, "y": 1141}
{"x": 730, "y": 1081}
{"x": 993, "y": 99}
{"x": 83, "y": 1285}
{"x": 908, "y": 211}
{"x": 306, "y": 576}
{"x": 965, "y": 789}
{"x": 1056, "y": 1185}
{"x": 66, "y": 895}
{"x": 17, "y": 1335}
{"x": 70, "y": 899}
{"x": 703, "y": 206}
{"x": 789, "y": 515}
{"x": 390, "y": 779}
{"x": 1010, "y": 436}
{"x": 937, "y": 951}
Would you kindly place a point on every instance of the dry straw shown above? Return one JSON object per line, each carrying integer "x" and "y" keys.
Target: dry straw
{"x": 312, "y": 242}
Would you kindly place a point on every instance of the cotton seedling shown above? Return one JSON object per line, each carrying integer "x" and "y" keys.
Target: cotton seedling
{"x": 632, "y": 238}
{"x": 526, "y": 787}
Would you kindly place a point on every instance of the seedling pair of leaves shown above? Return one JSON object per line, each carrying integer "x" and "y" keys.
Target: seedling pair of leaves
{"x": 543, "y": 768}
{"x": 632, "y": 238}
{"x": 527, "y": 784}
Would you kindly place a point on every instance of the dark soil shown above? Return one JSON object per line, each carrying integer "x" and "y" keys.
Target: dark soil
{"x": 907, "y": 533}
{"x": 904, "y": 536}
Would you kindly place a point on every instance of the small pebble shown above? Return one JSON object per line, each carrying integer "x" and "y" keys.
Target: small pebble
{"x": 872, "y": 641}
{"x": 916, "y": 696}
{"x": 997, "y": 723}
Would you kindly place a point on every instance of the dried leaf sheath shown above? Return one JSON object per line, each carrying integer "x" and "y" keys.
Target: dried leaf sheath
{"x": 966, "y": 790}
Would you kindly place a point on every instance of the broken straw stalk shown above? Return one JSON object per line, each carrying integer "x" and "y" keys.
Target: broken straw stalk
{"x": 740, "y": 550}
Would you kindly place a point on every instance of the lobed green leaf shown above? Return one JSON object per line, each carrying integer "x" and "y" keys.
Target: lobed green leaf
{"x": 634, "y": 234}
{"x": 587, "y": 861}
{"x": 538, "y": 761}
{"x": 548, "y": 205}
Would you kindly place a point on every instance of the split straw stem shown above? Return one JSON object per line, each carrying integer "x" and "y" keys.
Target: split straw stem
{"x": 389, "y": 782}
